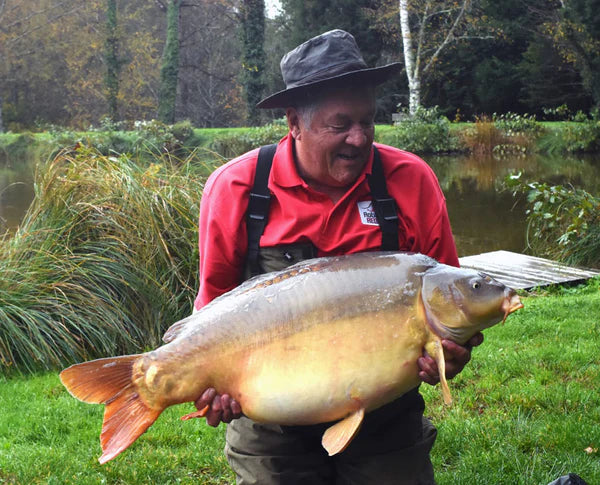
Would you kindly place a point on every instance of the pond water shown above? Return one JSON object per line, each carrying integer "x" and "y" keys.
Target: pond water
{"x": 16, "y": 191}
{"x": 483, "y": 216}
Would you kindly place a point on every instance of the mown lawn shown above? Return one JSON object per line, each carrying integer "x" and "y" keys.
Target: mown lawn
{"x": 527, "y": 410}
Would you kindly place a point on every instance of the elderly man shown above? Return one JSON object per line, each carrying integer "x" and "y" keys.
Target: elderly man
{"x": 325, "y": 189}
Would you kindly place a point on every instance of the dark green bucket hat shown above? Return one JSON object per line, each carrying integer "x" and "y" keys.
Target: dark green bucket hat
{"x": 326, "y": 58}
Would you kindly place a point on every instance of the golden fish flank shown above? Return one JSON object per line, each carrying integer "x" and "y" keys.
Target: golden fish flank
{"x": 326, "y": 340}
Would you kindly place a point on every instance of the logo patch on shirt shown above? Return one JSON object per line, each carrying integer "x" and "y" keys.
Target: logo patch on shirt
{"x": 367, "y": 213}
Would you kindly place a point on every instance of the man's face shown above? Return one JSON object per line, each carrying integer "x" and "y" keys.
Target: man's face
{"x": 334, "y": 149}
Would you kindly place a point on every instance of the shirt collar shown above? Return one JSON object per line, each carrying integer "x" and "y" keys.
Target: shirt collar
{"x": 284, "y": 172}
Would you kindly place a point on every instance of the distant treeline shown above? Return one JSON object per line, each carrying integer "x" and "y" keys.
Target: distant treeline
{"x": 76, "y": 64}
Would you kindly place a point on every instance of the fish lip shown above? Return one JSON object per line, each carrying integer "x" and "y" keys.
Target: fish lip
{"x": 511, "y": 304}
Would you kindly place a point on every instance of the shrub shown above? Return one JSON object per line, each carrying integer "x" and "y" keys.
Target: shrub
{"x": 583, "y": 135}
{"x": 562, "y": 223}
{"x": 230, "y": 146}
{"x": 516, "y": 125}
{"x": 425, "y": 132}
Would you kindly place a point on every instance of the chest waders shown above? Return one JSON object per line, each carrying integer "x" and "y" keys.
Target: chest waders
{"x": 395, "y": 440}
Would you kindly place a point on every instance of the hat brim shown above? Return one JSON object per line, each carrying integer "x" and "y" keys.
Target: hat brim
{"x": 370, "y": 76}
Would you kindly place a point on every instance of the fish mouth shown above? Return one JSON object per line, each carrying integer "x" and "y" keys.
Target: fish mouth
{"x": 511, "y": 303}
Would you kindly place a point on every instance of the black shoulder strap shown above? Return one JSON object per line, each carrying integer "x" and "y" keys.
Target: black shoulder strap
{"x": 260, "y": 200}
{"x": 385, "y": 207}
{"x": 258, "y": 205}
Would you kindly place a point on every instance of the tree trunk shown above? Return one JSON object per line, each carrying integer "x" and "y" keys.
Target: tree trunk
{"x": 412, "y": 68}
{"x": 111, "y": 58}
{"x": 1, "y": 124}
{"x": 253, "y": 60}
{"x": 169, "y": 71}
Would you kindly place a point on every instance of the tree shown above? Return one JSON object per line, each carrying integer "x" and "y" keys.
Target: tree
{"x": 32, "y": 78}
{"x": 111, "y": 58}
{"x": 307, "y": 18}
{"x": 167, "y": 95}
{"x": 253, "y": 55}
{"x": 209, "y": 90}
{"x": 574, "y": 28}
{"x": 427, "y": 28}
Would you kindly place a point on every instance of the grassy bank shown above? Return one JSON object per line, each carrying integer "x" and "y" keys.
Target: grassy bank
{"x": 526, "y": 411}
{"x": 426, "y": 135}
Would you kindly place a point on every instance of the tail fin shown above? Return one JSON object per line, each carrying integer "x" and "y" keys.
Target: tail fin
{"x": 109, "y": 382}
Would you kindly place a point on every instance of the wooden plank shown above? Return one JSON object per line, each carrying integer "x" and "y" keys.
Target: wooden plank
{"x": 520, "y": 271}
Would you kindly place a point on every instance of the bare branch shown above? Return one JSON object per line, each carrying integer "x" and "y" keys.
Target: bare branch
{"x": 449, "y": 37}
{"x": 48, "y": 21}
{"x": 37, "y": 12}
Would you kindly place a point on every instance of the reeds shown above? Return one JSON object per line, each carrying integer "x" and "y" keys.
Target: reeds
{"x": 104, "y": 261}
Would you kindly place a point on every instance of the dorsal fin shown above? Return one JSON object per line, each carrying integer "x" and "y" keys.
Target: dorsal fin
{"x": 174, "y": 330}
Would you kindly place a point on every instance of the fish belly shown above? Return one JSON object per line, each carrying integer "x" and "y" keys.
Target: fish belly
{"x": 326, "y": 372}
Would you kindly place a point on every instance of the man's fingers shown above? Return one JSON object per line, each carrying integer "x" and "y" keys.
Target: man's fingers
{"x": 206, "y": 398}
{"x": 476, "y": 340}
{"x": 453, "y": 351}
{"x": 213, "y": 416}
{"x": 226, "y": 407}
{"x": 236, "y": 408}
{"x": 428, "y": 371}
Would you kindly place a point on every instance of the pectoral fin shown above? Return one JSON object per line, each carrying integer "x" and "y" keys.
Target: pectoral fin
{"x": 337, "y": 437}
{"x": 435, "y": 349}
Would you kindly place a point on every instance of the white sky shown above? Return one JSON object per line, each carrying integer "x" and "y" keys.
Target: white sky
{"x": 272, "y": 6}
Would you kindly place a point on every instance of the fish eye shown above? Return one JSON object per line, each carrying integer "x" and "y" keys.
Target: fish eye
{"x": 476, "y": 285}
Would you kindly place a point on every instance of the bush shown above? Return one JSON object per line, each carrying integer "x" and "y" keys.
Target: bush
{"x": 562, "y": 223}
{"x": 230, "y": 146}
{"x": 584, "y": 134}
{"x": 516, "y": 125}
{"x": 425, "y": 132}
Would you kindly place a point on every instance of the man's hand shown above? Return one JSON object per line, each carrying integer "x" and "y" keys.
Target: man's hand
{"x": 456, "y": 357}
{"x": 222, "y": 408}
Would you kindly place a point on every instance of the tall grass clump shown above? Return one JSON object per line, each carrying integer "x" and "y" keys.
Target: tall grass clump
{"x": 104, "y": 260}
{"x": 563, "y": 223}
{"x": 503, "y": 135}
{"x": 483, "y": 136}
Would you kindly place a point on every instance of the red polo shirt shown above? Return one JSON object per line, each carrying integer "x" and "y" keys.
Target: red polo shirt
{"x": 299, "y": 214}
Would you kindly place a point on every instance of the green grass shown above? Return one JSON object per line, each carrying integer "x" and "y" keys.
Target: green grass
{"x": 46, "y": 436}
{"x": 526, "y": 409}
{"x": 528, "y": 405}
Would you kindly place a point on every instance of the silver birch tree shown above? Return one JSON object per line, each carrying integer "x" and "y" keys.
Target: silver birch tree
{"x": 427, "y": 28}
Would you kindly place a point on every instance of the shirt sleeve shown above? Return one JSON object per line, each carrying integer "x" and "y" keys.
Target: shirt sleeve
{"x": 222, "y": 234}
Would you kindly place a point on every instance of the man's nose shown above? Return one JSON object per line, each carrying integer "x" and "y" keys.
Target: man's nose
{"x": 357, "y": 136}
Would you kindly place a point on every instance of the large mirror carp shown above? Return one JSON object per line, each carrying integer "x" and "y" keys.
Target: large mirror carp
{"x": 326, "y": 340}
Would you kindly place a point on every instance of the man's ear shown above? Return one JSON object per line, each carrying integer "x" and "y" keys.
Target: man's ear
{"x": 293, "y": 121}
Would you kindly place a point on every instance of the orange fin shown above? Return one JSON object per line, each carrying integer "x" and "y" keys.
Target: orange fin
{"x": 126, "y": 418}
{"x": 337, "y": 437}
{"x": 108, "y": 381}
{"x": 435, "y": 349}
{"x": 99, "y": 380}
{"x": 196, "y": 414}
